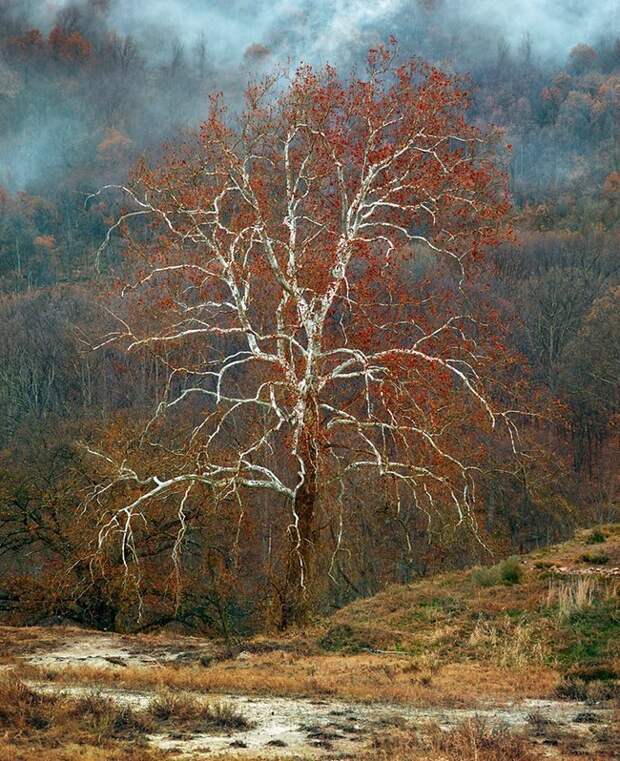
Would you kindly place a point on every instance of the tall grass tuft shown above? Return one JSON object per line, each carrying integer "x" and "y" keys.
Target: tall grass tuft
{"x": 572, "y": 595}
{"x": 190, "y": 710}
{"x": 508, "y": 572}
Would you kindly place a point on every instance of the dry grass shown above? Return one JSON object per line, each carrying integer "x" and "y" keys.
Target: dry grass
{"x": 510, "y": 646}
{"x": 570, "y": 595}
{"x": 574, "y": 595}
{"x": 105, "y": 718}
{"x": 72, "y": 751}
{"x": 477, "y": 740}
{"x": 53, "y": 721}
{"x": 367, "y": 678}
{"x": 22, "y": 709}
{"x": 473, "y": 740}
{"x": 44, "y": 726}
{"x": 192, "y": 713}
{"x": 26, "y": 711}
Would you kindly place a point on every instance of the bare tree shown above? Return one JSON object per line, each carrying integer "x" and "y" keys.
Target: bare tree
{"x": 305, "y": 281}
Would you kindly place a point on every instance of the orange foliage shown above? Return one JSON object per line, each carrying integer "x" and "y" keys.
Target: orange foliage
{"x": 45, "y": 241}
{"x": 71, "y": 47}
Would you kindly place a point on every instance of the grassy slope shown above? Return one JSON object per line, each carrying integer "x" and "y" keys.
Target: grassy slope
{"x": 442, "y": 613}
{"x": 556, "y": 608}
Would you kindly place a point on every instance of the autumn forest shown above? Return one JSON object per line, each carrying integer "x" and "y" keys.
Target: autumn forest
{"x": 280, "y": 328}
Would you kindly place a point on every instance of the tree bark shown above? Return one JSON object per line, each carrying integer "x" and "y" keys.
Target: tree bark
{"x": 301, "y": 569}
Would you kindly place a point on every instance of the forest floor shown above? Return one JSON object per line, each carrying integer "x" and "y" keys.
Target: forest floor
{"x": 514, "y": 662}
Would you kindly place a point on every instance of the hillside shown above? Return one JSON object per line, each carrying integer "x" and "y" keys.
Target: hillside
{"x": 555, "y": 606}
{"x": 310, "y": 380}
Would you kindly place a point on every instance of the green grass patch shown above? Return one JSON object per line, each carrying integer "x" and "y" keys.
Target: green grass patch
{"x": 508, "y": 572}
{"x": 595, "y": 558}
{"x": 592, "y": 634}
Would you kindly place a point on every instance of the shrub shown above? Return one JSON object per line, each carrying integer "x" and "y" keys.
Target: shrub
{"x": 595, "y": 558}
{"x": 476, "y": 740}
{"x": 511, "y": 571}
{"x": 542, "y": 726}
{"x": 226, "y": 716}
{"x": 508, "y": 572}
{"x": 573, "y": 687}
{"x": 596, "y": 537}
{"x": 485, "y": 577}
{"x": 343, "y": 637}
{"x": 189, "y": 710}
{"x": 106, "y": 718}
{"x": 170, "y": 705}
{"x": 473, "y": 740}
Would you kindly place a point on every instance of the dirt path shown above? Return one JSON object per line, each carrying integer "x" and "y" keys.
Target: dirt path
{"x": 297, "y": 727}
{"x": 103, "y": 651}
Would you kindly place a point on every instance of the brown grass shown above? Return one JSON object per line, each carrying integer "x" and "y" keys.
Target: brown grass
{"x": 477, "y": 740}
{"x": 575, "y": 594}
{"x": 71, "y": 751}
{"x": 44, "y": 726}
{"x": 27, "y": 711}
{"x": 367, "y": 678}
{"x": 473, "y": 740}
{"x": 49, "y": 725}
{"x": 189, "y": 712}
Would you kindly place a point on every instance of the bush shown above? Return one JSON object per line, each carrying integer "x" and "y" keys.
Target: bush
{"x": 595, "y": 558}
{"x": 106, "y": 718}
{"x": 573, "y": 687}
{"x": 596, "y": 537}
{"x": 189, "y": 710}
{"x": 485, "y": 577}
{"x": 508, "y": 572}
{"x": 345, "y": 638}
{"x": 511, "y": 571}
{"x": 542, "y": 726}
{"x": 473, "y": 740}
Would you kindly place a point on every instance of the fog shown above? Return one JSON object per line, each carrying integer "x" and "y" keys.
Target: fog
{"x": 46, "y": 127}
{"x": 318, "y": 30}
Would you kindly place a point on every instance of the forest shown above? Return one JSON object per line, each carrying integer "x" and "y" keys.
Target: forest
{"x": 215, "y": 412}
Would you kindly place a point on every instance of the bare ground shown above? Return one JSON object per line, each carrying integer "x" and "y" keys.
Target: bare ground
{"x": 77, "y": 663}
